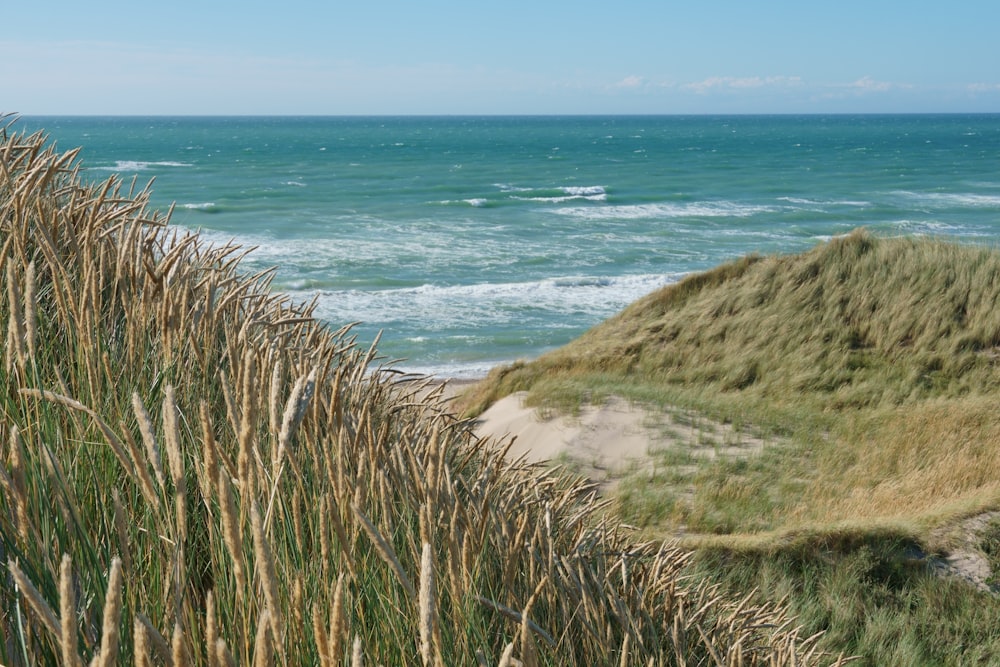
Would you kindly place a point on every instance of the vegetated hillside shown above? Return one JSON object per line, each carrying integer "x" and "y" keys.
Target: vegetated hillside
{"x": 876, "y": 359}
{"x": 856, "y": 322}
{"x": 870, "y": 368}
{"x": 196, "y": 471}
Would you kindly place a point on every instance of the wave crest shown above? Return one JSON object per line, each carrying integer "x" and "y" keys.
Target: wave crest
{"x": 721, "y": 209}
{"x": 139, "y": 165}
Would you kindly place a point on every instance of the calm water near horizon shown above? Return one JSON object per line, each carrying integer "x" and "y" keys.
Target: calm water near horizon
{"x": 471, "y": 241}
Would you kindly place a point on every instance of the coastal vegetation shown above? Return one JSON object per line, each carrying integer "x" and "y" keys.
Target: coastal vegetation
{"x": 869, "y": 367}
{"x": 196, "y": 471}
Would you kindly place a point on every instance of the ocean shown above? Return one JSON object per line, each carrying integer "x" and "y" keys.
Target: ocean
{"x": 473, "y": 241}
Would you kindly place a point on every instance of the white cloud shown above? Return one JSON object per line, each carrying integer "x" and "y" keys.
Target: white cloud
{"x": 983, "y": 87}
{"x": 868, "y": 84}
{"x": 631, "y": 81}
{"x": 729, "y": 83}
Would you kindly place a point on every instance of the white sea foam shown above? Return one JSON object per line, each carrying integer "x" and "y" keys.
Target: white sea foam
{"x": 744, "y": 234}
{"x": 568, "y": 190}
{"x": 585, "y": 190}
{"x": 468, "y": 370}
{"x": 930, "y": 228}
{"x": 825, "y": 202}
{"x": 488, "y": 305}
{"x": 207, "y": 206}
{"x": 557, "y": 195}
{"x": 136, "y": 165}
{"x": 383, "y": 247}
{"x": 477, "y": 202}
{"x": 722, "y": 209}
{"x": 957, "y": 199}
{"x": 560, "y": 200}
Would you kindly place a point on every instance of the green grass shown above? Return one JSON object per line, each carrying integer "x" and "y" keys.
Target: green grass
{"x": 871, "y": 595}
{"x": 194, "y": 470}
{"x": 858, "y": 322}
{"x": 862, "y": 340}
{"x": 989, "y": 544}
{"x": 870, "y": 367}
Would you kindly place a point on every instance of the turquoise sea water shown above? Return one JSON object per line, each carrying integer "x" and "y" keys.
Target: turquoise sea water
{"x": 473, "y": 241}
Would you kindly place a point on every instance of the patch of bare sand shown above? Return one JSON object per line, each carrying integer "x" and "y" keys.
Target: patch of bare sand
{"x": 605, "y": 441}
{"x": 966, "y": 559}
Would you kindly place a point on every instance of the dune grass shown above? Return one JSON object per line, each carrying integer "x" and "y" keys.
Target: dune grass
{"x": 196, "y": 471}
{"x": 874, "y": 360}
{"x": 871, "y": 592}
{"x": 870, "y": 366}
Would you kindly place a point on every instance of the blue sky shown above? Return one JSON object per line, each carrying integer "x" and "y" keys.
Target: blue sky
{"x": 514, "y": 57}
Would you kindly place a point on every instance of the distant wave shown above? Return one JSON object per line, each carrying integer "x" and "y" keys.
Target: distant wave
{"x": 476, "y": 202}
{"x": 722, "y": 209}
{"x": 487, "y": 304}
{"x": 956, "y": 199}
{"x": 585, "y": 191}
{"x": 555, "y": 195}
{"x": 457, "y": 370}
{"x": 546, "y": 195}
{"x": 205, "y": 207}
{"x": 324, "y": 254}
{"x": 822, "y": 203}
{"x": 135, "y": 165}
{"x": 560, "y": 200}
{"x": 936, "y": 228}
{"x": 556, "y": 287}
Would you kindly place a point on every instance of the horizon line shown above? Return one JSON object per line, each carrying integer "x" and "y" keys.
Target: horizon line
{"x": 16, "y": 115}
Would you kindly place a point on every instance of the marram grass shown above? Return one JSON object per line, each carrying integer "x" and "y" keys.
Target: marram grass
{"x": 195, "y": 471}
{"x": 857, "y": 322}
{"x": 871, "y": 367}
{"x": 871, "y": 364}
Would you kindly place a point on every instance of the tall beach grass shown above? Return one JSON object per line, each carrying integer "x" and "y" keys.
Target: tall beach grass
{"x": 196, "y": 471}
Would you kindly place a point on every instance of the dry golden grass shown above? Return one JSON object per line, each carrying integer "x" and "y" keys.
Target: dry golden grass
{"x": 228, "y": 554}
{"x": 871, "y": 367}
{"x": 925, "y": 465}
{"x": 874, "y": 360}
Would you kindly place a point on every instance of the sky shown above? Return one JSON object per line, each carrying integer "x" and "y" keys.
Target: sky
{"x": 394, "y": 57}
